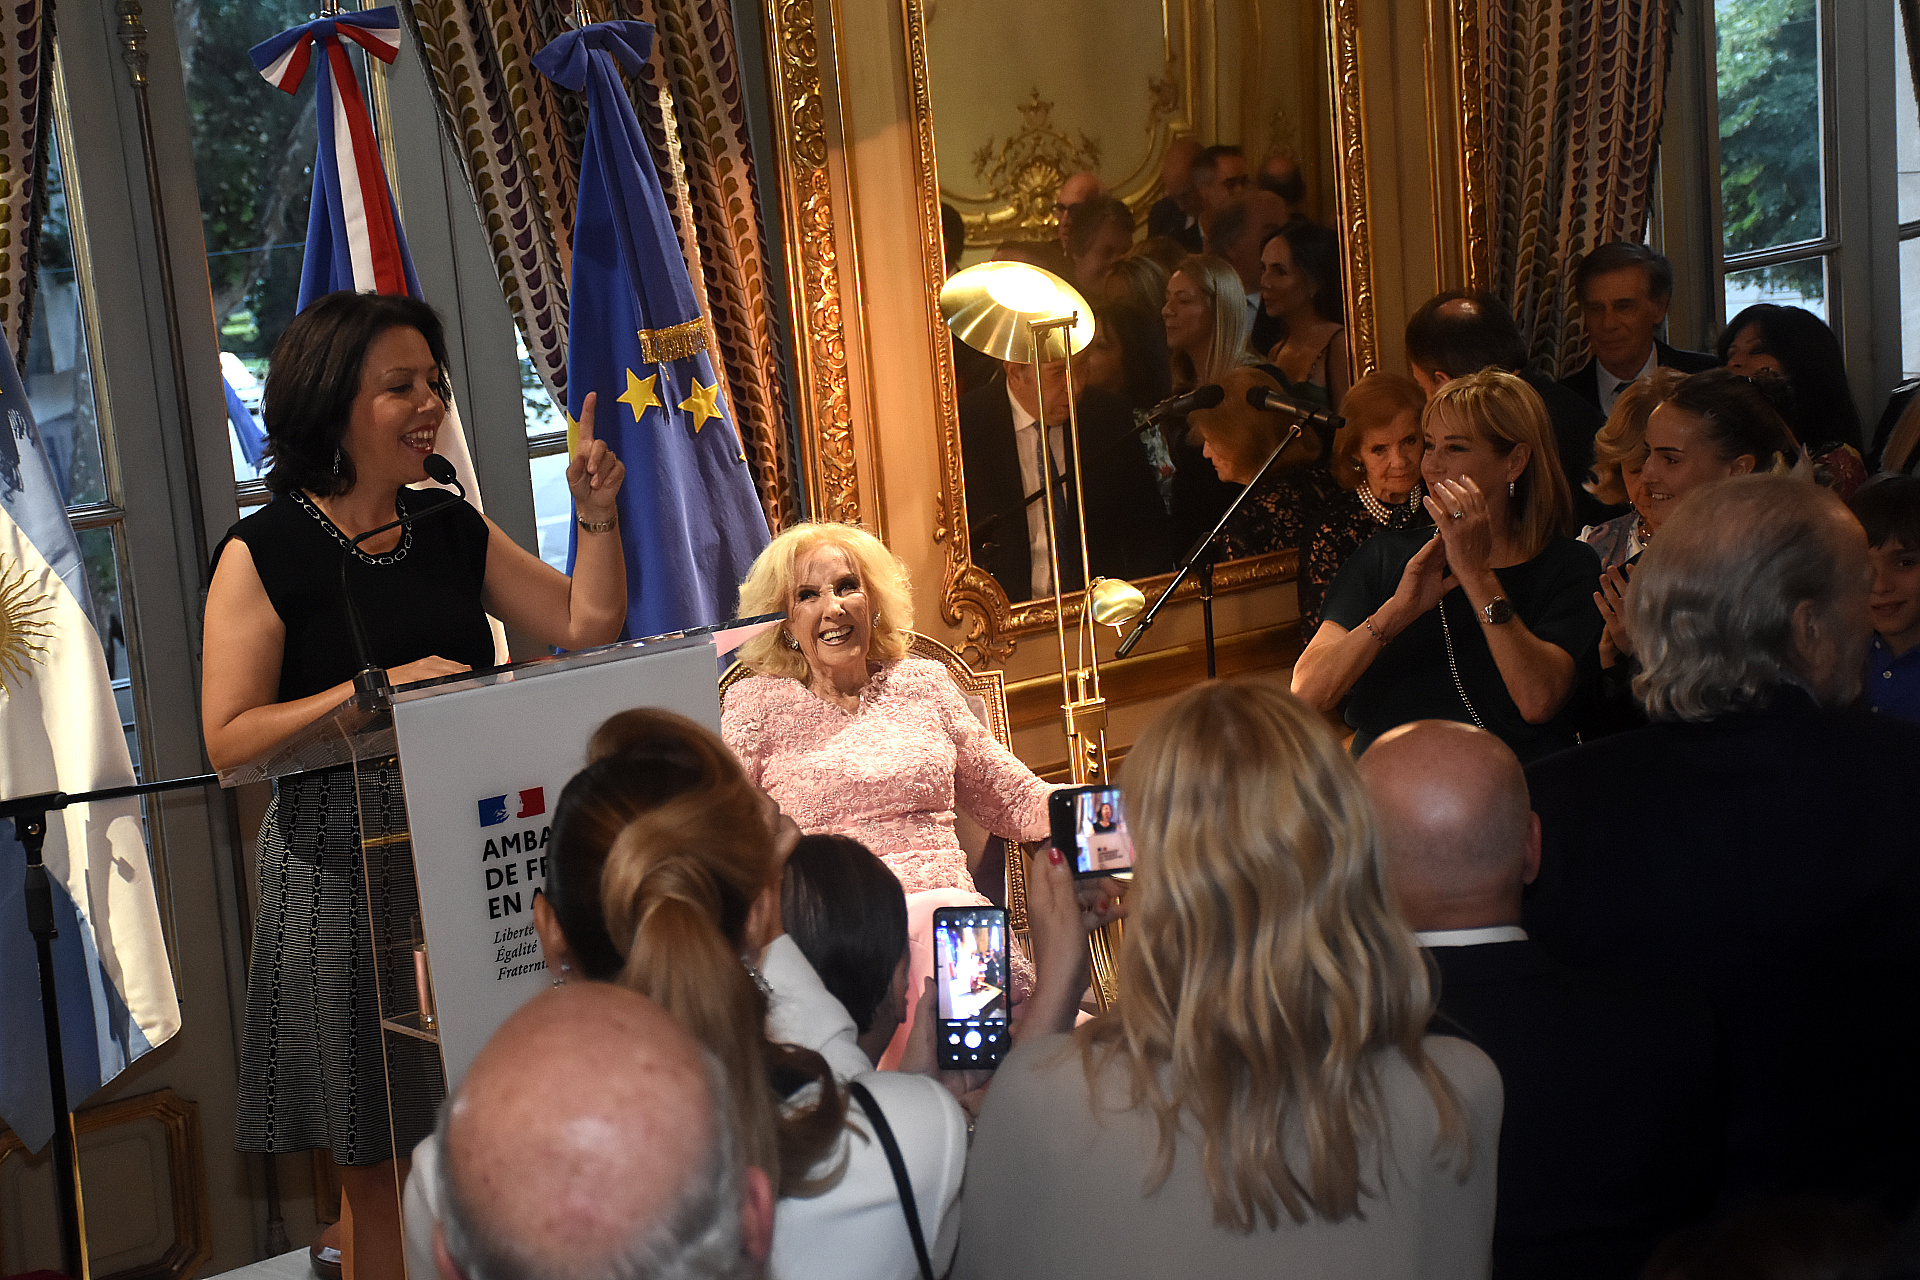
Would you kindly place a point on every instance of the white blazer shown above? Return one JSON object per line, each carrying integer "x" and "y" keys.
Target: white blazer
{"x": 857, "y": 1230}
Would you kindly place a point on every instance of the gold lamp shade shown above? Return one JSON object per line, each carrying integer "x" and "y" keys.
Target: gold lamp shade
{"x": 1114, "y": 602}
{"x": 988, "y": 307}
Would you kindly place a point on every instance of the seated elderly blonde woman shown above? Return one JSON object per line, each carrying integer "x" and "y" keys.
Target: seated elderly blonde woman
{"x": 852, "y": 736}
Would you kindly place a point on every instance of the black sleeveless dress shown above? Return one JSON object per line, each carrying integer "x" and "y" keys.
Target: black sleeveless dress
{"x": 313, "y": 1071}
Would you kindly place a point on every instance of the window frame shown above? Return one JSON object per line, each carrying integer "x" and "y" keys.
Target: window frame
{"x": 1860, "y": 240}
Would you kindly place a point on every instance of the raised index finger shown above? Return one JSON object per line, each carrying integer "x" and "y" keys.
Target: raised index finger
{"x": 585, "y": 435}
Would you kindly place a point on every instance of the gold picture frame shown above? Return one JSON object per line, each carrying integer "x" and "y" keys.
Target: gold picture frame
{"x": 806, "y": 80}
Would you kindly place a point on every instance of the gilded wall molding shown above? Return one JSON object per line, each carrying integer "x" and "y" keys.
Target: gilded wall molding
{"x": 967, "y": 600}
{"x": 1350, "y": 164}
{"x": 179, "y": 1121}
{"x": 813, "y": 260}
{"x": 1471, "y": 154}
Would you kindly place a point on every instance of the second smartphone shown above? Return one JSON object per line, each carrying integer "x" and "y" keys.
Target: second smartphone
{"x": 970, "y": 982}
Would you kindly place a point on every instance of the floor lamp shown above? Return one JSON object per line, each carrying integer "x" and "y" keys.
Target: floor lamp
{"x": 1016, "y": 312}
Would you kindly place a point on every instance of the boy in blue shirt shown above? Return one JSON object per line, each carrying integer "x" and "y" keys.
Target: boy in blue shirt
{"x": 1889, "y": 509}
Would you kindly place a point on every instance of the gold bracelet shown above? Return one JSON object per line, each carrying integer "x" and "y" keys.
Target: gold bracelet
{"x": 597, "y": 526}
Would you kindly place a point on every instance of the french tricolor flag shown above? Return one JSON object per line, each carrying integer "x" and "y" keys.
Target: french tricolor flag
{"x": 354, "y": 238}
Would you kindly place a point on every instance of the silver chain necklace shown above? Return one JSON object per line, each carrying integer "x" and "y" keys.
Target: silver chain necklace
{"x": 1459, "y": 685}
{"x": 394, "y": 556}
{"x": 1379, "y": 510}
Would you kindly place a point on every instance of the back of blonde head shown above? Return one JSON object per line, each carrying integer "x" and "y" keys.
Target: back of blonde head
{"x": 1263, "y": 970}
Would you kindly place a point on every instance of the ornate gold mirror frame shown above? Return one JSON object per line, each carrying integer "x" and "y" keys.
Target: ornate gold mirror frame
{"x": 1407, "y": 230}
{"x": 973, "y": 600}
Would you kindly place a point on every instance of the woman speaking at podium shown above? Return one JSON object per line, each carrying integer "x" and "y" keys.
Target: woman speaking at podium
{"x": 355, "y": 399}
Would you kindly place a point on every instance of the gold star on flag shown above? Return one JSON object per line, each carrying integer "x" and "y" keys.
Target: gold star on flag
{"x": 702, "y": 403}
{"x": 640, "y": 396}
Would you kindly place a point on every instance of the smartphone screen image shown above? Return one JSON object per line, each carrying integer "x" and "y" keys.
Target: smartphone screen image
{"x": 971, "y": 985}
{"x": 1090, "y": 827}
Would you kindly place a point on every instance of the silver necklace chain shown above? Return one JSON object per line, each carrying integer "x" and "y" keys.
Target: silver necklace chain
{"x": 1379, "y": 510}
{"x": 1459, "y": 685}
{"x": 394, "y": 556}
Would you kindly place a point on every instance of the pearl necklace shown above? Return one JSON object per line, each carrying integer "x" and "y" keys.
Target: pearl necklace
{"x": 1379, "y": 510}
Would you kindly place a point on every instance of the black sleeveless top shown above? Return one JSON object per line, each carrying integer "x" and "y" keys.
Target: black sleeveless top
{"x": 425, "y": 603}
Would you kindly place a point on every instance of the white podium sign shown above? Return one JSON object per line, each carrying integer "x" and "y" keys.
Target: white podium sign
{"x": 483, "y": 764}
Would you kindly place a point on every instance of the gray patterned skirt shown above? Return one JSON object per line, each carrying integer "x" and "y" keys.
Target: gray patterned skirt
{"x": 314, "y": 1071}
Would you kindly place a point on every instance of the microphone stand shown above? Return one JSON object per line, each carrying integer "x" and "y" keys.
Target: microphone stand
{"x": 371, "y": 688}
{"x": 29, "y": 814}
{"x": 1202, "y": 556}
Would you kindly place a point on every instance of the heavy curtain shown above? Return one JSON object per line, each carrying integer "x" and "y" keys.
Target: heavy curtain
{"x": 520, "y": 136}
{"x": 1572, "y": 93}
{"x": 26, "y": 91}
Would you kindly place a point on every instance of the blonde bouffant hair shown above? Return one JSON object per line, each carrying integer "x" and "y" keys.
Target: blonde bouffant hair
{"x": 1624, "y": 439}
{"x": 770, "y": 583}
{"x": 1262, "y": 967}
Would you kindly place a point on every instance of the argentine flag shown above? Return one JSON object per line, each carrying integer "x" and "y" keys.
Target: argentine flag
{"x": 60, "y": 731}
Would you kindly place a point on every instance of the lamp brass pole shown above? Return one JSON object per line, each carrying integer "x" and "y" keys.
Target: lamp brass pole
{"x": 1016, "y": 312}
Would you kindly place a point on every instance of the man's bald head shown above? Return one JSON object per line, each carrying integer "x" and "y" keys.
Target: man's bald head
{"x": 1078, "y": 187}
{"x": 1459, "y": 837}
{"x": 1176, "y": 170}
{"x": 1460, "y": 332}
{"x": 590, "y": 1137}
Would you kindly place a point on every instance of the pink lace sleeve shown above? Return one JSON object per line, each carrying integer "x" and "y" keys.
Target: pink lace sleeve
{"x": 990, "y": 782}
{"x": 743, "y": 726}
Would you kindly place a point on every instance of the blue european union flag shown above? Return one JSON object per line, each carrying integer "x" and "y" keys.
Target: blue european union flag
{"x": 493, "y": 811}
{"x": 689, "y": 517}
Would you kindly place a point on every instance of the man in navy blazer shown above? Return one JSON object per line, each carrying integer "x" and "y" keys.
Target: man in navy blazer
{"x": 1758, "y": 840}
{"x": 1610, "y": 1135}
{"x": 1623, "y": 290}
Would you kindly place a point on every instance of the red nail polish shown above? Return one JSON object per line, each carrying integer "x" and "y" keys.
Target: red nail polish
{"x": 1053, "y": 854}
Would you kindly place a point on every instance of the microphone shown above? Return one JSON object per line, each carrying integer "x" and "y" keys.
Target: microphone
{"x": 370, "y": 684}
{"x": 1322, "y": 422}
{"x": 1206, "y": 397}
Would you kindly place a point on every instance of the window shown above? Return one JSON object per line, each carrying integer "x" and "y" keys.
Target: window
{"x": 547, "y": 459}
{"x": 1780, "y": 174}
{"x": 1773, "y": 162}
{"x": 60, "y": 387}
{"x": 1907, "y": 124}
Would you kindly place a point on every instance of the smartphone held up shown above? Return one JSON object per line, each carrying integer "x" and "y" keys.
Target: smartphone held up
{"x": 972, "y": 982}
{"x": 1090, "y": 829}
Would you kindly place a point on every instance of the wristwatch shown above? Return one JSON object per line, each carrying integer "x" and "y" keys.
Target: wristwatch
{"x": 1497, "y": 611}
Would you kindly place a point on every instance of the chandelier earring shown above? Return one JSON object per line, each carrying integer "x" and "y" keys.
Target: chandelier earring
{"x": 339, "y": 460}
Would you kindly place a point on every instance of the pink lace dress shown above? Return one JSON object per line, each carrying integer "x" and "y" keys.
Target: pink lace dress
{"x": 891, "y": 774}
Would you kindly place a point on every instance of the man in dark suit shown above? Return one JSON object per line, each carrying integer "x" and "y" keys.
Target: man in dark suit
{"x": 1176, "y": 215}
{"x": 1757, "y": 840}
{"x": 1610, "y": 1134}
{"x": 1463, "y": 331}
{"x": 1127, "y": 533}
{"x": 1623, "y": 291}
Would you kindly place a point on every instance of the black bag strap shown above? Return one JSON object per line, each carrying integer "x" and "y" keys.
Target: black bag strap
{"x": 884, "y": 1131}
